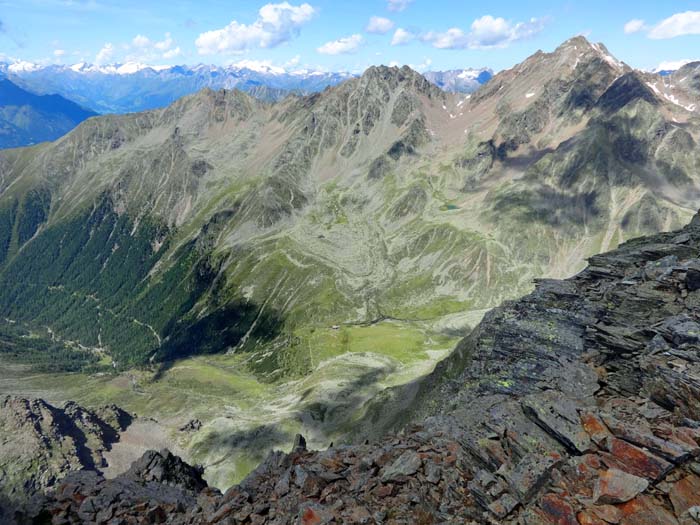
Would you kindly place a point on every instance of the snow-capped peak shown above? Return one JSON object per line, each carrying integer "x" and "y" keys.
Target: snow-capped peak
{"x": 259, "y": 66}
{"x": 23, "y": 66}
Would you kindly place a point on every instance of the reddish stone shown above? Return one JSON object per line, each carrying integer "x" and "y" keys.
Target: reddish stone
{"x": 333, "y": 464}
{"x": 616, "y": 486}
{"x": 310, "y": 517}
{"x": 592, "y": 461}
{"x": 595, "y": 427}
{"x": 557, "y": 511}
{"x": 690, "y": 436}
{"x": 685, "y": 494}
{"x": 384, "y": 491}
{"x": 607, "y": 513}
{"x": 494, "y": 450}
{"x": 587, "y": 518}
{"x": 636, "y": 461}
{"x": 645, "y": 511}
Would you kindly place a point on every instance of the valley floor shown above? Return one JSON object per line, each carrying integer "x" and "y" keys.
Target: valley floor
{"x": 242, "y": 417}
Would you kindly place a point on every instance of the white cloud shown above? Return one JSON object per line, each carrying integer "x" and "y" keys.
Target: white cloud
{"x": 401, "y": 37}
{"x": 398, "y": 5}
{"x": 421, "y": 67}
{"x": 143, "y": 49}
{"x": 59, "y": 52}
{"x": 453, "y": 38}
{"x": 276, "y": 23}
{"x": 294, "y": 61}
{"x": 105, "y": 54}
{"x": 687, "y": 23}
{"x": 345, "y": 45}
{"x": 166, "y": 44}
{"x": 379, "y": 25}
{"x": 172, "y": 53}
{"x": 673, "y": 65}
{"x": 141, "y": 41}
{"x": 486, "y": 32}
{"x": 634, "y": 26}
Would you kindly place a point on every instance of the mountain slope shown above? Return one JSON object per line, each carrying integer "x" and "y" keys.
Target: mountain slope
{"x": 26, "y": 118}
{"x": 576, "y": 404}
{"x": 283, "y": 263}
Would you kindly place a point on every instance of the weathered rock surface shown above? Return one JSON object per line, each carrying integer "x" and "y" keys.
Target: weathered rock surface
{"x": 41, "y": 444}
{"x": 578, "y": 404}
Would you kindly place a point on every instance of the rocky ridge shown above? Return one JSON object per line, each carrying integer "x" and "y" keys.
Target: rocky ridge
{"x": 577, "y": 405}
{"x": 41, "y": 443}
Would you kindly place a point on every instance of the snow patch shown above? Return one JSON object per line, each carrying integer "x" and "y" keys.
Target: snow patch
{"x": 653, "y": 86}
{"x": 674, "y": 100}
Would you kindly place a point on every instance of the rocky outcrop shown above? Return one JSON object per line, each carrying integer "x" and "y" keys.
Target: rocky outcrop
{"x": 41, "y": 444}
{"x": 578, "y": 404}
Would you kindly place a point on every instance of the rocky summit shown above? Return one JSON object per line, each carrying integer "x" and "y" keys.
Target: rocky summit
{"x": 578, "y": 404}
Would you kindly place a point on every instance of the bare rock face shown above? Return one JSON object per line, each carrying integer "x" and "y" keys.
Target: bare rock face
{"x": 42, "y": 443}
{"x": 578, "y": 405}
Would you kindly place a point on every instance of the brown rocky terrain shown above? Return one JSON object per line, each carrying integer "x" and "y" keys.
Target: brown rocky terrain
{"x": 578, "y": 404}
{"x": 41, "y": 443}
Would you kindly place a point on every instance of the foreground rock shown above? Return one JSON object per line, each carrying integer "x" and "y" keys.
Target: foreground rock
{"x": 40, "y": 444}
{"x": 578, "y": 404}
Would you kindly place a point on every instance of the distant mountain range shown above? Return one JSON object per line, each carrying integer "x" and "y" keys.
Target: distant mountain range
{"x": 460, "y": 80}
{"x": 133, "y": 87}
{"x": 27, "y": 118}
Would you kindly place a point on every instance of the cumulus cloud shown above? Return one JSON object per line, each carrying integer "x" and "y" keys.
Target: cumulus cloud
{"x": 486, "y": 32}
{"x": 166, "y": 44}
{"x": 294, "y": 61}
{"x": 59, "y": 52}
{"x": 422, "y": 67}
{"x": 401, "y": 37}
{"x": 680, "y": 24}
{"x": 634, "y": 26}
{"x": 379, "y": 25}
{"x": 143, "y": 49}
{"x": 104, "y": 55}
{"x": 172, "y": 53}
{"x": 276, "y": 23}
{"x": 398, "y": 5}
{"x": 141, "y": 41}
{"x": 342, "y": 46}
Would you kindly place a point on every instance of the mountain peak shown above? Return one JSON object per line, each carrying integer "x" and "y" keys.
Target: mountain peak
{"x": 577, "y": 41}
{"x": 579, "y": 47}
{"x": 394, "y": 77}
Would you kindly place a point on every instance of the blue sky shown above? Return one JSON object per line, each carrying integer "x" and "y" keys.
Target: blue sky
{"x": 341, "y": 35}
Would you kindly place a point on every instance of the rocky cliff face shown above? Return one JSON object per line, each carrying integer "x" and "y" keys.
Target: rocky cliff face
{"x": 41, "y": 443}
{"x": 578, "y": 404}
